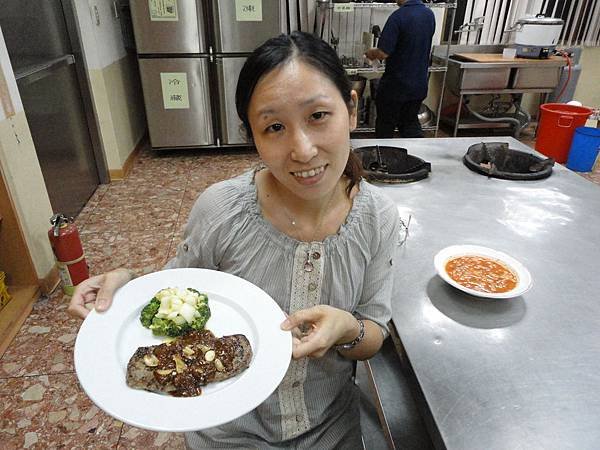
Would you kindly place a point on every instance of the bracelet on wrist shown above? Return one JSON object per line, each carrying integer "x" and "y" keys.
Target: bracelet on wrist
{"x": 357, "y": 340}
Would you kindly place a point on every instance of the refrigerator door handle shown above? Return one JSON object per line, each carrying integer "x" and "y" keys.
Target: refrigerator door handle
{"x": 38, "y": 71}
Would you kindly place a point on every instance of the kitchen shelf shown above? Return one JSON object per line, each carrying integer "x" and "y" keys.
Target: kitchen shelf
{"x": 372, "y": 130}
{"x": 16, "y": 263}
{"x": 366, "y": 70}
{"x": 392, "y": 5}
{"x": 438, "y": 69}
{"x": 15, "y": 312}
{"x": 467, "y": 123}
{"x": 350, "y": 44}
{"x": 473, "y": 123}
{"x": 507, "y": 91}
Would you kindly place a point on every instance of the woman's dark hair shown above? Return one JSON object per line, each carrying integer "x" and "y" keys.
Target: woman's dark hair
{"x": 309, "y": 49}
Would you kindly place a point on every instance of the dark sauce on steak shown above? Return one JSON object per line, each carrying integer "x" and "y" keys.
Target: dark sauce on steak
{"x": 192, "y": 361}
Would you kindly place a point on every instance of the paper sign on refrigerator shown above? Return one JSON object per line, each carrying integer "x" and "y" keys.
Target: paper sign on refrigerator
{"x": 175, "y": 90}
{"x": 248, "y": 10}
{"x": 163, "y": 10}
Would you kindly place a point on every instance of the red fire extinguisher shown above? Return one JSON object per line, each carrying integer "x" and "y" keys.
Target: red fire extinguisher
{"x": 70, "y": 259}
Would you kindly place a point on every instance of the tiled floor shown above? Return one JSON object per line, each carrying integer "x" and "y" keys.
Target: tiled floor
{"x": 135, "y": 223}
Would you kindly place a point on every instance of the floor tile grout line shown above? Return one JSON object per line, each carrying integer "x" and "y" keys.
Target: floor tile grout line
{"x": 97, "y": 202}
{"x": 37, "y": 375}
{"x": 120, "y": 434}
{"x": 176, "y": 230}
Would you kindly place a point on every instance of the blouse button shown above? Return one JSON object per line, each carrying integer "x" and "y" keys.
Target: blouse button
{"x": 295, "y": 384}
{"x": 298, "y": 418}
{"x": 316, "y": 255}
{"x": 185, "y": 247}
{"x": 312, "y": 287}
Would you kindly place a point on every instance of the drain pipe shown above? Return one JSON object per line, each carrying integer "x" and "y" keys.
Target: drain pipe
{"x": 515, "y": 122}
{"x": 527, "y": 116}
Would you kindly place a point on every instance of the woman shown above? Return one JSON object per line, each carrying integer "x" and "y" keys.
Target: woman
{"x": 308, "y": 231}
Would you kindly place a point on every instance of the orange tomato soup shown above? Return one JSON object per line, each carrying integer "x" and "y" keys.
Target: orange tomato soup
{"x": 481, "y": 274}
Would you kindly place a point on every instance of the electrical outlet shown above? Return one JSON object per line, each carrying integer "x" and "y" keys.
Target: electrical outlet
{"x": 95, "y": 13}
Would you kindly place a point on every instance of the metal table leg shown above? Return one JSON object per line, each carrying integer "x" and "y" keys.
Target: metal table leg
{"x": 457, "y": 119}
{"x": 380, "y": 412}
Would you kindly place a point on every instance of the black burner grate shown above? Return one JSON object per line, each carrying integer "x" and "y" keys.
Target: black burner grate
{"x": 392, "y": 164}
{"x": 495, "y": 159}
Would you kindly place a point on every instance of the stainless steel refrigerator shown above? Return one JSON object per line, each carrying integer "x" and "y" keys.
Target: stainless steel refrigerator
{"x": 173, "y": 59}
{"x": 190, "y": 54}
{"x": 45, "y": 53}
{"x": 235, "y": 36}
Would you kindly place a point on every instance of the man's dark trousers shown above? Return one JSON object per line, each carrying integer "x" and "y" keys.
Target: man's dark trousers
{"x": 392, "y": 114}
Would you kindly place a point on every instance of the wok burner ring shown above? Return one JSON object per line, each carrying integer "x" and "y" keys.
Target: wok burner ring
{"x": 391, "y": 164}
{"x": 496, "y": 160}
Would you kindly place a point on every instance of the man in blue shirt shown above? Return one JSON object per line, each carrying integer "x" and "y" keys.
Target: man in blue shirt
{"x": 404, "y": 44}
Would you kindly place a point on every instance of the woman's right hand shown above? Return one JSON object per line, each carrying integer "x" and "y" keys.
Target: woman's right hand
{"x": 99, "y": 290}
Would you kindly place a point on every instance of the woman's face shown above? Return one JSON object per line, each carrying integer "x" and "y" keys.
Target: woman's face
{"x": 301, "y": 128}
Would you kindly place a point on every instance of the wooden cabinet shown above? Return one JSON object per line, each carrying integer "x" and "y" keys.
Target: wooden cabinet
{"x": 16, "y": 262}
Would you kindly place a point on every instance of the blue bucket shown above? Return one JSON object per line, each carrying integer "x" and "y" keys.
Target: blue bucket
{"x": 584, "y": 149}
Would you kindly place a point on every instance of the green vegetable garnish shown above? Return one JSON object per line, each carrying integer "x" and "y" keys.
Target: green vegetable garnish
{"x": 173, "y": 312}
{"x": 149, "y": 312}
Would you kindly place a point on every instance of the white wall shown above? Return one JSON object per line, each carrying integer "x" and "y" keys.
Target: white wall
{"x": 11, "y": 101}
{"x": 113, "y": 79}
{"x": 588, "y": 89}
{"x": 21, "y": 169}
{"x": 100, "y": 32}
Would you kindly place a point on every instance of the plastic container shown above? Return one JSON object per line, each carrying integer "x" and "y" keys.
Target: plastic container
{"x": 556, "y": 128}
{"x": 4, "y": 295}
{"x": 584, "y": 149}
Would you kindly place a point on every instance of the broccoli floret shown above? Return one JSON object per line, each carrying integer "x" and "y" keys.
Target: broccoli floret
{"x": 149, "y": 312}
{"x": 200, "y": 321}
{"x": 166, "y": 327}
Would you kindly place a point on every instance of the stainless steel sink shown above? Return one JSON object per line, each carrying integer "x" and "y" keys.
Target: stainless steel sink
{"x": 471, "y": 77}
{"x": 536, "y": 77}
{"x": 514, "y": 76}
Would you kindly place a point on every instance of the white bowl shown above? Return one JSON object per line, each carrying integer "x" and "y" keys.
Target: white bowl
{"x": 524, "y": 277}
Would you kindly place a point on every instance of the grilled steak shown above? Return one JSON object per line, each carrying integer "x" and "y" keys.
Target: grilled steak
{"x": 182, "y": 366}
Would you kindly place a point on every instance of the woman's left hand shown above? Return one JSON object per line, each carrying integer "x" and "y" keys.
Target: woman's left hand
{"x": 315, "y": 330}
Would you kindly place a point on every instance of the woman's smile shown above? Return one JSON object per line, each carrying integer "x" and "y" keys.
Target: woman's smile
{"x": 311, "y": 176}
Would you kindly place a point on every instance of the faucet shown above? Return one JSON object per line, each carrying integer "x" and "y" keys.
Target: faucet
{"x": 595, "y": 116}
{"x": 475, "y": 25}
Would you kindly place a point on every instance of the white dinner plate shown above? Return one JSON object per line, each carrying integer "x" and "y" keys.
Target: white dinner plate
{"x": 454, "y": 251}
{"x": 106, "y": 341}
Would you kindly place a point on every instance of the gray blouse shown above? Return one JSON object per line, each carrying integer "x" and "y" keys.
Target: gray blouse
{"x": 316, "y": 404}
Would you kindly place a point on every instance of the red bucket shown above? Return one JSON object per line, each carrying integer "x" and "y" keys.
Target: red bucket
{"x": 557, "y": 125}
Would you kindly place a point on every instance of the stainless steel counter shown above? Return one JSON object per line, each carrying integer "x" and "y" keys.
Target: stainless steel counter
{"x": 522, "y": 373}
{"x": 481, "y": 69}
